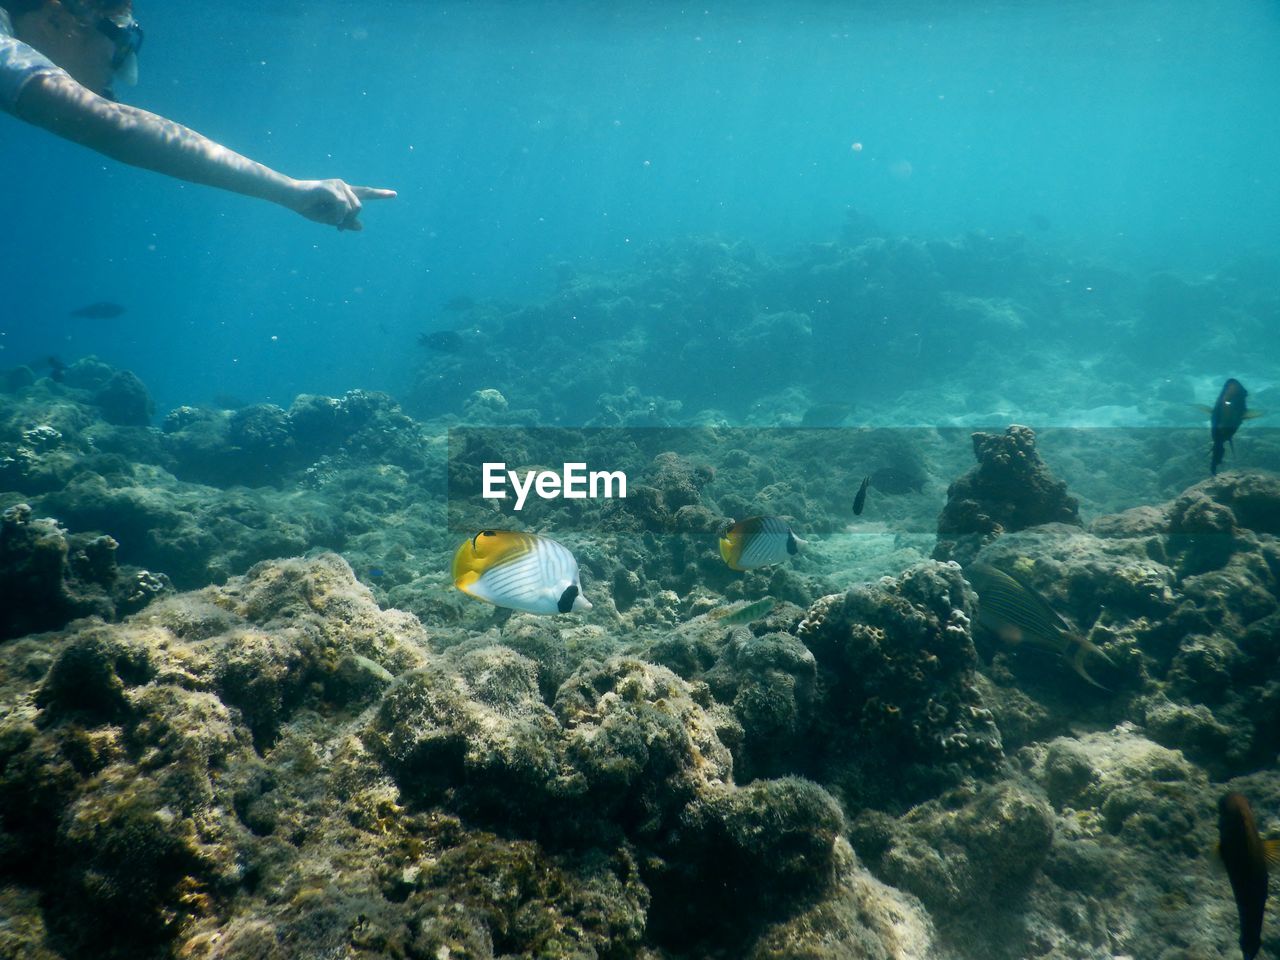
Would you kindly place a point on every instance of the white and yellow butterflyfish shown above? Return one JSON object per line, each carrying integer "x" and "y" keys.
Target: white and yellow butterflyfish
{"x": 519, "y": 571}
{"x": 758, "y": 542}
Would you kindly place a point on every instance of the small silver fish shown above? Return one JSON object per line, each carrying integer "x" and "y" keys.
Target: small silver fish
{"x": 732, "y": 616}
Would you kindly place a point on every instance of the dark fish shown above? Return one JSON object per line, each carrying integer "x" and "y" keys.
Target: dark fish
{"x": 102, "y": 310}
{"x": 860, "y": 499}
{"x": 57, "y": 369}
{"x": 1245, "y": 855}
{"x": 442, "y": 341}
{"x": 1225, "y": 419}
{"x": 826, "y": 415}
{"x": 458, "y": 305}
{"x": 376, "y": 572}
{"x": 898, "y": 480}
{"x": 1017, "y": 613}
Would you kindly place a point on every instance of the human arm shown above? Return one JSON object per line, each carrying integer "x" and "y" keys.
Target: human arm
{"x": 59, "y": 104}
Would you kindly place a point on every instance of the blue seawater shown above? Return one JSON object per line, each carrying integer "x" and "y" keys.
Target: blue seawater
{"x": 524, "y": 136}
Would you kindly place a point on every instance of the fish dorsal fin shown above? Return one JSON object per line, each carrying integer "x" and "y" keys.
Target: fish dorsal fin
{"x": 1271, "y": 850}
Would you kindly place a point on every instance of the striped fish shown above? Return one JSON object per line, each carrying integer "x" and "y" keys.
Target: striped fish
{"x": 732, "y": 616}
{"x": 758, "y": 542}
{"x": 519, "y": 571}
{"x": 1017, "y": 613}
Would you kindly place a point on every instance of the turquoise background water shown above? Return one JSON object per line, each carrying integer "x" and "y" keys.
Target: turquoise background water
{"x": 524, "y": 135}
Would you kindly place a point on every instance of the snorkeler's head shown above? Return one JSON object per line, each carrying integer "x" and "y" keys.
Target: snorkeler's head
{"x": 96, "y": 41}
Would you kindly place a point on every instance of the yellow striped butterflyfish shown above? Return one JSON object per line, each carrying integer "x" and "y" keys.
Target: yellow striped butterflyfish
{"x": 519, "y": 571}
{"x": 758, "y": 542}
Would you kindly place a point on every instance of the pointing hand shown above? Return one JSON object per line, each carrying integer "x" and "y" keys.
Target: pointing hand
{"x": 334, "y": 202}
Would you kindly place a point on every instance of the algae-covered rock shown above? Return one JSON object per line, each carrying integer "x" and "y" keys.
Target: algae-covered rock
{"x": 129, "y": 750}
{"x": 969, "y": 848}
{"x": 669, "y": 496}
{"x": 901, "y": 714}
{"x": 49, "y": 577}
{"x": 637, "y": 746}
{"x": 860, "y": 918}
{"x": 770, "y": 847}
{"x": 473, "y": 739}
{"x": 125, "y": 401}
{"x": 625, "y": 754}
{"x": 1094, "y": 846}
{"x": 1130, "y": 866}
{"x": 771, "y": 683}
{"x": 1010, "y": 489}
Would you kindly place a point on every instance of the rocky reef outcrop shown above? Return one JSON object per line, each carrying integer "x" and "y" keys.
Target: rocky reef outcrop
{"x": 213, "y": 491}
{"x": 1010, "y": 489}
{"x": 901, "y": 715}
{"x": 49, "y": 577}
{"x": 277, "y": 767}
{"x": 279, "y": 763}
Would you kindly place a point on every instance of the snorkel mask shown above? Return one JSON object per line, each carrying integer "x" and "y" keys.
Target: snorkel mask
{"x": 126, "y": 34}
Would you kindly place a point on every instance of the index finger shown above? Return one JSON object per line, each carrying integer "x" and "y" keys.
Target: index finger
{"x": 373, "y": 193}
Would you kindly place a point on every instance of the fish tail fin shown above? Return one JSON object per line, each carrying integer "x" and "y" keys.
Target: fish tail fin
{"x": 1077, "y": 663}
{"x": 1271, "y": 849}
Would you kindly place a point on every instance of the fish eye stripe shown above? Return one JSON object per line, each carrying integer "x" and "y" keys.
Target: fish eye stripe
{"x": 570, "y": 594}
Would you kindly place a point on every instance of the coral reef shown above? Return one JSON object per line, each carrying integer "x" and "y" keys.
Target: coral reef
{"x": 214, "y": 491}
{"x": 263, "y": 444}
{"x": 1185, "y": 609}
{"x": 1071, "y": 857}
{"x": 124, "y": 401}
{"x": 1010, "y": 489}
{"x": 345, "y": 757}
{"x": 49, "y": 577}
{"x": 901, "y": 714}
{"x": 277, "y": 767}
